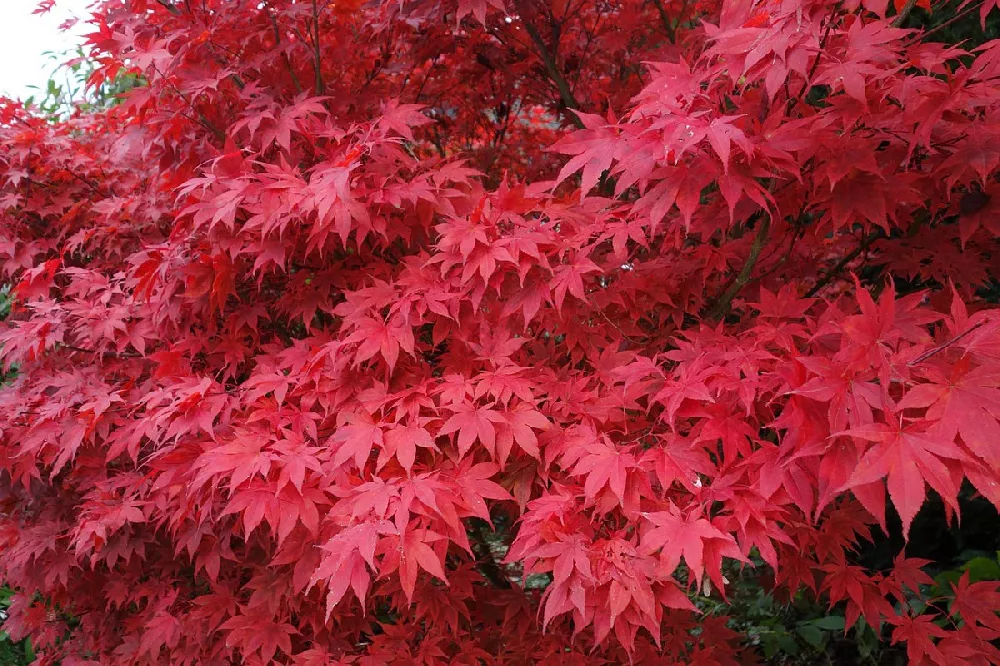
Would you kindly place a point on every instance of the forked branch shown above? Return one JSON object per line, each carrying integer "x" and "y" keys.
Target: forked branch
{"x": 552, "y": 69}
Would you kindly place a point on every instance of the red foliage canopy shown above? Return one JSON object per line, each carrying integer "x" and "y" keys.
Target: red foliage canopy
{"x": 660, "y": 287}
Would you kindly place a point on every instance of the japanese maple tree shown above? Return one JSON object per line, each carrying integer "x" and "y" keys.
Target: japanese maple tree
{"x": 495, "y": 331}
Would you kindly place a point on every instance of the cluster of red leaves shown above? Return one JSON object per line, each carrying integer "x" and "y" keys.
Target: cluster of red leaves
{"x": 345, "y": 283}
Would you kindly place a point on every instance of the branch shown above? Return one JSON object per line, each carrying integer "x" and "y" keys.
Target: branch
{"x": 201, "y": 119}
{"x": 81, "y": 350}
{"x": 169, "y": 7}
{"x": 288, "y": 62}
{"x": 812, "y": 70}
{"x": 553, "y": 71}
{"x": 437, "y": 142}
{"x": 618, "y": 328}
{"x": 903, "y": 13}
{"x": 722, "y": 304}
{"x": 320, "y": 86}
{"x": 957, "y": 17}
{"x": 86, "y": 181}
{"x": 940, "y": 348}
{"x": 834, "y": 272}
{"x": 665, "y": 20}
{"x": 606, "y": 184}
{"x": 484, "y": 556}
{"x": 796, "y": 237}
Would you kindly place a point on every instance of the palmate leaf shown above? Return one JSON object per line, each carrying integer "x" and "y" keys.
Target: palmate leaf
{"x": 456, "y": 331}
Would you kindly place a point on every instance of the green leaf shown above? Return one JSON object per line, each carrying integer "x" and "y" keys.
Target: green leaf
{"x": 788, "y": 644}
{"x": 770, "y": 645}
{"x": 811, "y": 634}
{"x": 982, "y": 568}
{"x": 944, "y": 579}
{"x": 829, "y": 623}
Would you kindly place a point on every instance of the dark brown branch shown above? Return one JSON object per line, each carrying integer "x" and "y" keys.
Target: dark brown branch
{"x": 721, "y": 306}
{"x": 812, "y": 70}
{"x": 668, "y": 25}
{"x": 903, "y": 13}
{"x": 487, "y": 566}
{"x": 169, "y": 7}
{"x": 86, "y": 181}
{"x": 834, "y": 273}
{"x": 81, "y": 350}
{"x": 288, "y": 61}
{"x": 957, "y": 17}
{"x": 548, "y": 59}
{"x": 317, "y": 57}
{"x": 201, "y": 119}
{"x": 498, "y": 137}
{"x": 796, "y": 237}
{"x": 437, "y": 142}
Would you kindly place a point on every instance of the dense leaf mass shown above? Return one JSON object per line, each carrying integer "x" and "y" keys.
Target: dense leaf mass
{"x": 494, "y": 331}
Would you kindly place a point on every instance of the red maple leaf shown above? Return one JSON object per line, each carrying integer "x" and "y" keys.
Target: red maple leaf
{"x": 906, "y": 457}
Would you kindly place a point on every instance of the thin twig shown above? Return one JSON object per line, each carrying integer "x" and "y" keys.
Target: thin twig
{"x": 82, "y": 350}
{"x": 625, "y": 335}
{"x": 812, "y": 70}
{"x": 288, "y": 61}
{"x": 957, "y": 17}
{"x": 834, "y": 272}
{"x": 680, "y": 14}
{"x": 202, "y": 119}
{"x": 940, "y": 348}
{"x": 796, "y": 237}
{"x": 86, "y": 181}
